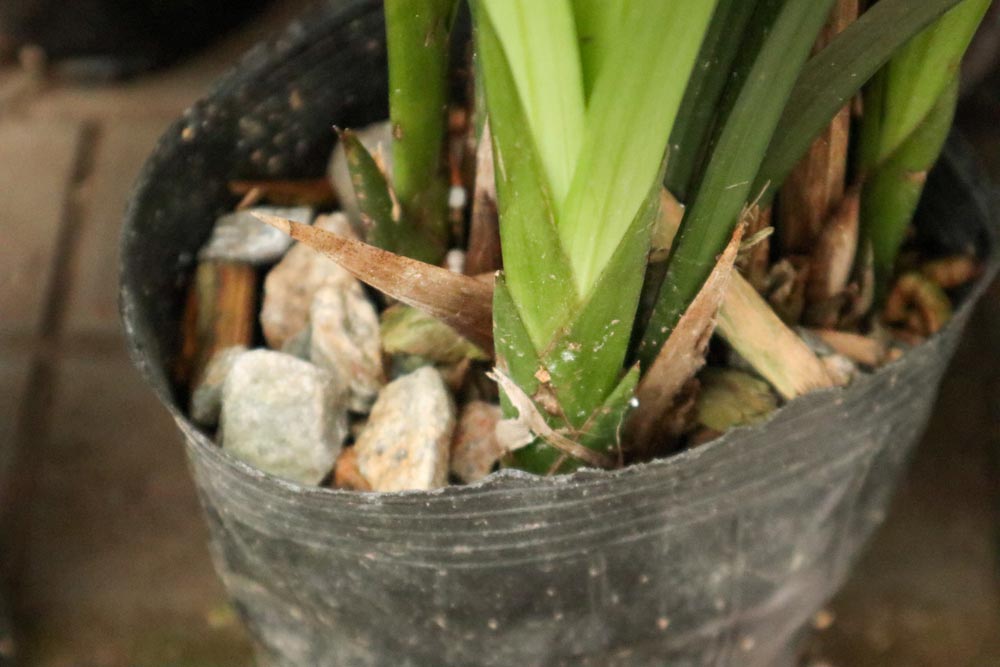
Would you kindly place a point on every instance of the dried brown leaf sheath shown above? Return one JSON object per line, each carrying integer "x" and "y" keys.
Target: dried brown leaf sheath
{"x": 681, "y": 356}
{"x": 817, "y": 183}
{"x": 484, "y": 228}
{"x": 220, "y": 313}
{"x": 834, "y": 252}
{"x": 752, "y": 328}
{"x": 462, "y": 302}
{"x": 306, "y": 192}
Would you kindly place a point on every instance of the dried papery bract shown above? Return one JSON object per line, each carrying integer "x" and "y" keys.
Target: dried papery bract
{"x": 681, "y": 357}
{"x": 816, "y": 185}
{"x": 749, "y": 325}
{"x": 462, "y": 302}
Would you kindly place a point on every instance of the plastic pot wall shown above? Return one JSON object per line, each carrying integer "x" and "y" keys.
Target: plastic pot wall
{"x": 119, "y": 37}
{"x": 717, "y": 556}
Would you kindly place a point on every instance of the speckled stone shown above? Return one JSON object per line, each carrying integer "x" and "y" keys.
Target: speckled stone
{"x": 405, "y": 445}
{"x": 345, "y": 341}
{"x": 291, "y": 285}
{"x": 475, "y": 448}
{"x": 283, "y": 415}
{"x": 377, "y": 136}
{"x": 240, "y": 237}
{"x": 206, "y": 399}
{"x": 298, "y": 345}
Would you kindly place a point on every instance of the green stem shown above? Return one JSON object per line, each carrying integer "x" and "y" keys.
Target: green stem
{"x": 417, "y": 32}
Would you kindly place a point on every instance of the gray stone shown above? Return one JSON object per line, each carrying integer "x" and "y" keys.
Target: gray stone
{"x": 290, "y": 286}
{"x": 299, "y": 344}
{"x": 345, "y": 340}
{"x": 475, "y": 448}
{"x": 206, "y": 399}
{"x": 283, "y": 415}
{"x": 240, "y": 237}
{"x": 375, "y": 137}
{"x": 405, "y": 445}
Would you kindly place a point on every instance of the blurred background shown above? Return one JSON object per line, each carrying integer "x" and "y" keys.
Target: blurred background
{"x": 105, "y": 556}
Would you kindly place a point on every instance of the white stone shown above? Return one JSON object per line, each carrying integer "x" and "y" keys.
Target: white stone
{"x": 475, "y": 448}
{"x": 290, "y": 286}
{"x": 206, "y": 399}
{"x": 345, "y": 340}
{"x": 405, "y": 445}
{"x": 283, "y": 415}
{"x": 241, "y": 237}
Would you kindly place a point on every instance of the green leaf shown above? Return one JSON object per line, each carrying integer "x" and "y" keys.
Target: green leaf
{"x": 628, "y": 125}
{"x": 417, "y": 34}
{"x": 537, "y": 272}
{"x": 586, "y": 361}
{"x": 726, "y": 185}
{"x": 377, "y": 210}
{"x": 914, "y": 81}
{"x": 517, "y": 358}
{"x": 891, "y": 192}
{"x": 909, "y": 107}
{"x": 515, "y": 351}
{"x": 695, "y": 118}
{"x": 602, "y": 432}
{"x": 836, "y": 73}
{"x": 538, "y": 40}
{"x": 407, "y": 330}
{"x": 596, "y": 23}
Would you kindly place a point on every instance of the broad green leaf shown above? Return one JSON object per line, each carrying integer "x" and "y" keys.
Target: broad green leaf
{"x": 515, "y": 352}
{"x": 539, "y": 42}
{"x": 602, "y": 433}
{"x": 537, "y": 272}
{"x": 417, "y": 34}
{"x": 516, "y": 357}
{"x": 628, "y": 125}
{"x": 586, "y": 360}
{"x": 603, "y": 430}
{"x": 596, "y": 23}
{"x": 836, "y": 73}
{"x": 726, "y": 185}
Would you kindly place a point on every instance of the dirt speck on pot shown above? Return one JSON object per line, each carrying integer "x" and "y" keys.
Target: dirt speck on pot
{"x": 475, "y": 448}
{"x": 405, "y": 445}
{"x": 291, "y": 285}
{"x": 240, "y": 237}
{"x": 283, "y": 415}
{"x": 206, "y": 399}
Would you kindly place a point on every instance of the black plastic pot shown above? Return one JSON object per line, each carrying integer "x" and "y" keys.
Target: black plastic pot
{"x": 717, "y": 556}
{"x": 115, "y": 38}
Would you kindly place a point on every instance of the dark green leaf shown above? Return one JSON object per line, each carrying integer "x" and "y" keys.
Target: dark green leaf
{"x": 734, "y": 162}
